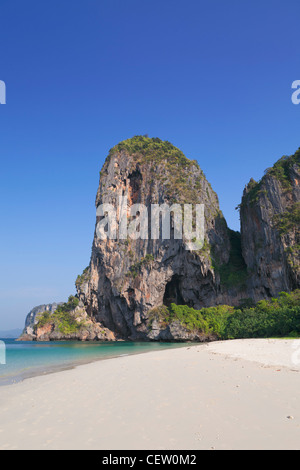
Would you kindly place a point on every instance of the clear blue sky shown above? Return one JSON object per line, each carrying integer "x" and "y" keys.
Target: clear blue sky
{"x": 213, "y": 77}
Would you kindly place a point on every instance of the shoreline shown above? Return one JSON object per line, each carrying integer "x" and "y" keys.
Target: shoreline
{"x": 57, "y": 368}
{"x": 187, "y": 398}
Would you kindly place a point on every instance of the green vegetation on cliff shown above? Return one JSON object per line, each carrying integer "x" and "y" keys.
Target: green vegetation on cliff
{"x": 278, "y": 317}
{"x": 288, "y": 220}
{"x": 83, "y": 278}
{"x": 177, "y": 174}
{"x": 62, "y": 318}
{"x": 254, "y": 192}
{"x": 281, "y": 170}
{"x": 152, "y": 150}
{"x": 135, "y": 269}
{"x": 207, "y": 320}
{"x": 234, "y": 273}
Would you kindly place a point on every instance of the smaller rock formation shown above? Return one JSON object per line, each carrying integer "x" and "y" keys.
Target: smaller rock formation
{"x": 63, "y": 321}
{"x": 32, "y": 319}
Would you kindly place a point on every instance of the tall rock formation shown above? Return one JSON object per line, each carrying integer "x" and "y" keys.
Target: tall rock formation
{"x": 127, "y": 278}
{"x": 270, "y": 229}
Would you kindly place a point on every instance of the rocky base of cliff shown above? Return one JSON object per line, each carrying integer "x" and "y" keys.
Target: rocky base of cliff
{"x": 176, "y": 332}
{"x": 68, "y": 321}
{"x": 90, "y": 332}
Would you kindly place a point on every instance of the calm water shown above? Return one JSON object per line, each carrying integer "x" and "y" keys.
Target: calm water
{"x": 27, "y": 359}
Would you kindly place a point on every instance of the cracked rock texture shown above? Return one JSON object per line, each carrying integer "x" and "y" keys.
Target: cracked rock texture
{"x": 127, "y": 278}
{"x": 270, "y": 229}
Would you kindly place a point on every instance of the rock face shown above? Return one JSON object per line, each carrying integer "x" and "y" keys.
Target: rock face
{"x": 32, "y": 319}
{"x": 127, "y": 278}
{"x": 44, "y": 324}
{"x": 270, "y": 229}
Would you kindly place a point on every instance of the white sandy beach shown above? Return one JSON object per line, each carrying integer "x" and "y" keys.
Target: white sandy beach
{"x": 230, "y": 395}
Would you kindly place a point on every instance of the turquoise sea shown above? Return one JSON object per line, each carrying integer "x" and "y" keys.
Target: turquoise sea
{"x": 27, "y": 359}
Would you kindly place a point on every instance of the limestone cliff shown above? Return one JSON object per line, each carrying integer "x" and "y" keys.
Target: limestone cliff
{"x": 270, "y": 229}
{"x": 32, "y": 319}
{"x": 63, "y": 321}
{"x": 128, "y": 278}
